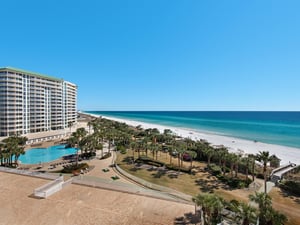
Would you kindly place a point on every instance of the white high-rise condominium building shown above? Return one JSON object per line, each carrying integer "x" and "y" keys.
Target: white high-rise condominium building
{"x": 32, "y": 102}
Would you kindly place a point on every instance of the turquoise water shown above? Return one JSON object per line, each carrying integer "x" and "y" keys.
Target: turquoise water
{"x": 281, "y": 128}
{"x": 42, "y": 155}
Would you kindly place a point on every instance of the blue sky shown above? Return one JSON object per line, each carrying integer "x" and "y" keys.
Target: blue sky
{"x": 161, "y": 55}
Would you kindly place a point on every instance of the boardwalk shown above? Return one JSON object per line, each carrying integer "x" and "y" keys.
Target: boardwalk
{"x": 278, "y": 173}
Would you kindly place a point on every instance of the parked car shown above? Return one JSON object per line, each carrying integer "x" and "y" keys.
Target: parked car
{"x": 174, "y": 153}
{"x": 186, "y": 157}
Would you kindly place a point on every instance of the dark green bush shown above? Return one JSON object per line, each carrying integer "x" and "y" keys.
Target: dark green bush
{"x": 234, "y": 182}
{"x": 107, "y": 155}
{"x": 291, "y": 186}
{"x": 260, "y": 176}
{"x": 149, "y": 161}
{"x": 121, "y": 148}
{"x": 123, "y": 151}
{"x": 87, "y": 155}
{"x": 72, "y": 167}
{"x": 174, "y": 167}
{"x": 153, "y": 162}
{"x": 216, "y": 170}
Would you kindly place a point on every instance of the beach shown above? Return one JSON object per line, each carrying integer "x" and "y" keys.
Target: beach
{"x": 286, "y": 154}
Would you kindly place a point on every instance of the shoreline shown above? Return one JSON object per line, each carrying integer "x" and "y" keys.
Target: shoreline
{"x": 285, "y": 153}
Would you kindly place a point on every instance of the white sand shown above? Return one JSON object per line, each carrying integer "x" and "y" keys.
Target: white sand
{"x": 286, "y": 154}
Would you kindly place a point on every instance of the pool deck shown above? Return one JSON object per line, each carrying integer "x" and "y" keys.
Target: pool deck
{"x": 49, "y": 138}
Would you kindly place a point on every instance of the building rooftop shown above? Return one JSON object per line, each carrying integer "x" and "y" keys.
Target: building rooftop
{"x": 31, "y": 73}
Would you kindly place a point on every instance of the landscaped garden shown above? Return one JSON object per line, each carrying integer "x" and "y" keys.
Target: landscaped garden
{"x": 191, "y": 167}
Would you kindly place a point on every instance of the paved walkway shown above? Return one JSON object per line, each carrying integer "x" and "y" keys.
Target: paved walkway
{"x": 101, "y": 176}
{"x": 270, "y": 185}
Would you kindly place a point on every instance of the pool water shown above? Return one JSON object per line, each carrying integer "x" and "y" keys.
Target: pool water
{"x": 43, "y": 155}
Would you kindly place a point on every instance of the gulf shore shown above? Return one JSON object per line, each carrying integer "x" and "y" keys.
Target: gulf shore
{"x": 286, "y": 154}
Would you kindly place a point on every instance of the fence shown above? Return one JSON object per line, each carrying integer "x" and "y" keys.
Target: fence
{"x": 68, "y": 182}
{"x": 29, "y": 173}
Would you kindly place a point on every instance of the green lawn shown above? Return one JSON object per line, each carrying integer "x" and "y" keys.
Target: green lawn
{"x": 185, "y": 183}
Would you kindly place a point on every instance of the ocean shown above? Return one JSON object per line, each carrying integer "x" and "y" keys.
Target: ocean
{"x": 281, "y": 128}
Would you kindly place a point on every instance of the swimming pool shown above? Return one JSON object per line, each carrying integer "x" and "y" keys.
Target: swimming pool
{"x": 42, "y": 155}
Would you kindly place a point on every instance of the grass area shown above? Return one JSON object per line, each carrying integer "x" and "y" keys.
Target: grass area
{"x": 289, "y": 205}
{"x": 184, "y": 183}
{"x": 203, "y": 182}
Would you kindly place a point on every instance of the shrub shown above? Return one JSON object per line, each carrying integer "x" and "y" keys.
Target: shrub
{"x": 222, "y": 178}
{"x": 149, "y": 161}
{"x": 234, "y": 182}
{"x": 216, "y": 170}
{"x": 87, "y": 155}
{"x": 123, "y": 151}
{"x": 260, "y": 176}
{"x": 291, "y": 186}
{"x": 107, "y": 155}
{"x": 121, "y": 148}
{"x": 72, "y": 167}
{"x": 174, "y": 167}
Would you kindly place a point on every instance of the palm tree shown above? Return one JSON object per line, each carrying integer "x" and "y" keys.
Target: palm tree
{"x": 236, "y": 165}
{"x": 200, "y": 147}
{"x": 70, "y": 124}
{"x": 200, "y": 201}
{"x": 231, "y": 158}
{"x": 173, "y": 148}
{"x": 133, "y": 147}
{"x": 209, "y": 152}
{"x": 146, "y": 145}
{"x": 77, "y": 136}
{"x": 110, "y": 135}
{"x": 11, "y": 145}
{"x": 21, "y": 147}
{"x": 275, "y": 217}
{"x": 193, "y": 155}
{"x": 90, "y": 124}
{"x": 221, "y": 154}
{"x": 2, "y": 152}
{"x": 180, "y": 147}
{"x": 252, "y": 163}
{"x": 246, "y": 213}
{"x": 170, "y": 150}
{"x": 264, "y": 202}
{"x": 264, "y": 157}
{"x": 139, "y": 146}
{"x": 211, "y": 207}
{"x": 267, "y": 215}
{"x": 246, "y": 161}
{"x": 167, "y": 136}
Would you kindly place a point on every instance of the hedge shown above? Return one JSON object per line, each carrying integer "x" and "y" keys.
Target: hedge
{"x": 291, "y": 186}
{"x": 73, "y": 167}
